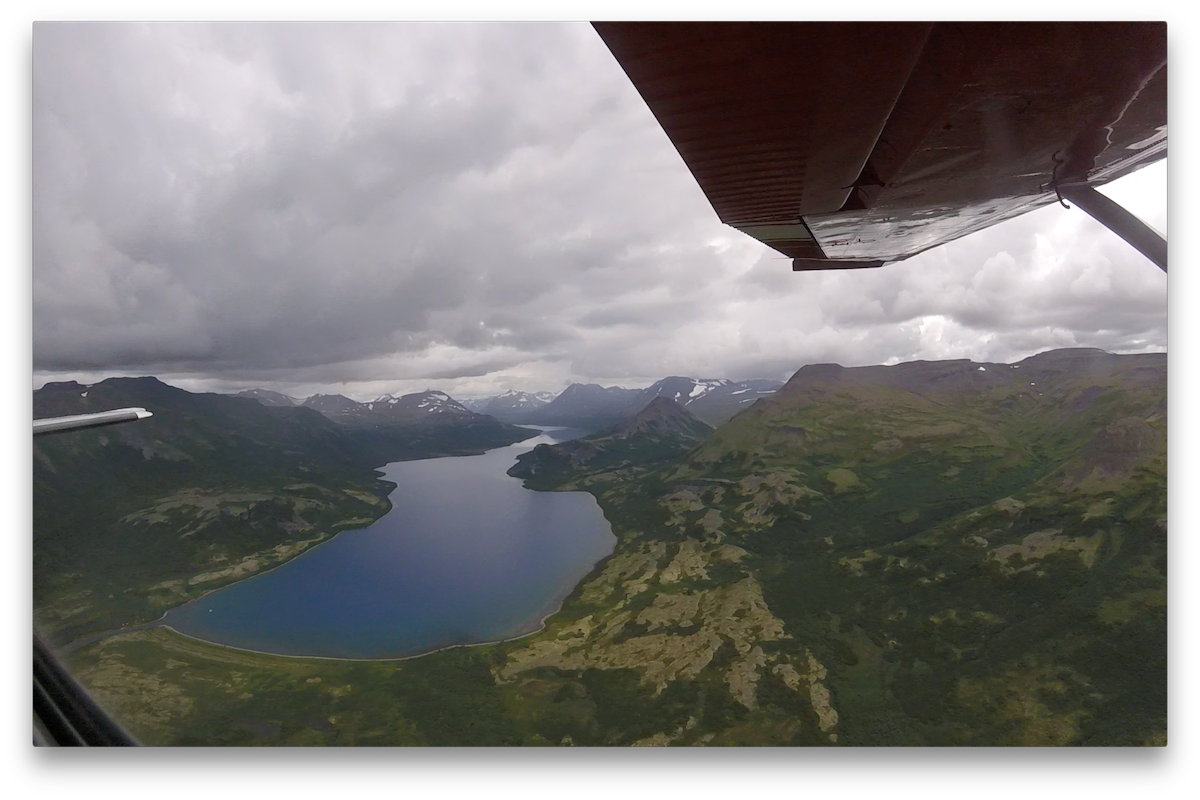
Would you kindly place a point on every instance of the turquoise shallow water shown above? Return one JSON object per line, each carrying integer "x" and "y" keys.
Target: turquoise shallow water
{"x": 466, "y": 555}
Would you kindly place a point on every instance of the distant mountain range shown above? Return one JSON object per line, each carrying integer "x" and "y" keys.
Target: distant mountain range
{"x": 580, "y": 405}
{"x": 419, "y": 407}
{"x": 425, "y": 408}
{"x": 512, "y": 405}
{"x": 421, "y": 420}
{"x": 591, "y": 406}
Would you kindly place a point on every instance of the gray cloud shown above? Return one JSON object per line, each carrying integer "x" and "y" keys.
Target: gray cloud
{"x": 370, "y": 208}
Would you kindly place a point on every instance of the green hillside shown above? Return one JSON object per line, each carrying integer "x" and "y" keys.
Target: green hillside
{"x": 920, "y": 554}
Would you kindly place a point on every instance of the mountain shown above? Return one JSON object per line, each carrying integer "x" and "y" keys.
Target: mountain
{"x": 338, "y": 408}
{"x": 661, "y": 417}
{"x": 661, "y": 430}
{"x": 432, "y": 408}
{"x": 587, "y": 405}
{"x": 927, "y": 553}
{"x": 684, "y": 390}
{"x": 132, "y": 519}
{"x": 269, "y": 398}
{"x": 475, "y": 404}
{"x": 514, "y": 406}
{"x": 713, "y": 400}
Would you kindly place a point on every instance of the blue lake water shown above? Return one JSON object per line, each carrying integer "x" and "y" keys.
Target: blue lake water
{"x": 466, "y": 555}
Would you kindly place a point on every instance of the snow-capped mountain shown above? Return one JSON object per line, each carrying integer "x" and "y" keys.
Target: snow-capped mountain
{"x": 685, "y": 390}
{"x": 474, "y": 403}
{"x": 514, "y": 405}
{"x": 514, "y": 399}
{"x": 420, "y": 407}
{"x": 511, "y": 406}
{"x": 713, "y": 400}
{"x": 338, "y": 408}
{"x": 417, "y": 405}
{"x": 720, "y": 406}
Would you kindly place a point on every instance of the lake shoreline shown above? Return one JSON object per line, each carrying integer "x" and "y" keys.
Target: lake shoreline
{"x": 527, "y": 627}
{"x": 540, "y": 627}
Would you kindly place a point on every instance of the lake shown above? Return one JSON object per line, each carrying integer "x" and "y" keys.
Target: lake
{"x": 466, "y": 555}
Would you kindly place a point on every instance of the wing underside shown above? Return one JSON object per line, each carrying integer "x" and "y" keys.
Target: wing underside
{"x": 857, "y": 144}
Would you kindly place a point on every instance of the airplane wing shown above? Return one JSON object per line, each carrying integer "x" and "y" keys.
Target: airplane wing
{"x": 74, "y": 422}
{"x": 855, "y": 144}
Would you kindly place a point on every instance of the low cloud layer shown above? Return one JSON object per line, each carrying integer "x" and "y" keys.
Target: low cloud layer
{"x": 370, "y": 208}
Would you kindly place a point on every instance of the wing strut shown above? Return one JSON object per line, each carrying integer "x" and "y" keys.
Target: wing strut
{"x": 59, "y": 424}
{"x": 1143, "y": 238}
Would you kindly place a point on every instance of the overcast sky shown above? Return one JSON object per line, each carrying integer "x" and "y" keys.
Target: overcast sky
{"x": 473, "y": 208}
